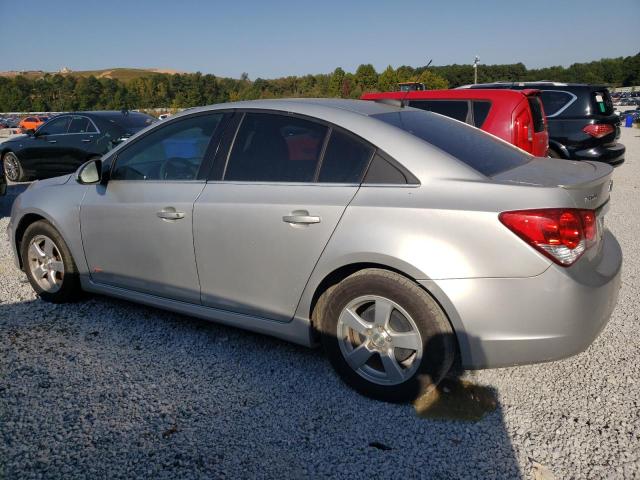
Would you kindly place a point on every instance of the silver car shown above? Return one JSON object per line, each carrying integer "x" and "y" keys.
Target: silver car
{"x": 398, "y": 239}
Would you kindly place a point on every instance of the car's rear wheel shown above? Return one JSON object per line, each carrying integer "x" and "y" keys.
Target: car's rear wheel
{"x": 48, "y": 264}
{"x": 551, "y": 153}
{"x": 12, "y": 167}
{"x": 384, "y": 335}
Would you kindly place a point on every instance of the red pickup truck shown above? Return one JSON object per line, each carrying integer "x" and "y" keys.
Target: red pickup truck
{"x": 516, "y": 116}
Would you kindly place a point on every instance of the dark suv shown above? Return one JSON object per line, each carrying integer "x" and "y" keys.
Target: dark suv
{"x": 581, "y": 118}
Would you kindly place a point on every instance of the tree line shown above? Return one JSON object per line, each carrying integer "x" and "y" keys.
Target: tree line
{"x": 56, "y": 92}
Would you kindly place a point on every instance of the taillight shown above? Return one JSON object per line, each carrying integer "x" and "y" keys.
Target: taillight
{"x": 598, "y": 130}
{"x": 562, "y": 234}
{"x": 523, "y": 132}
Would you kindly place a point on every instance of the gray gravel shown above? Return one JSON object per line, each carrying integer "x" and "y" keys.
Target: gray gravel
{"x": 109, "y": 389}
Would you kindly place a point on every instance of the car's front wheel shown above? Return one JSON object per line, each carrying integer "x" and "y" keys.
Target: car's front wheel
{"x": 12, "y": 167}
{"x": 48, "y": 264}
{"x": 384, "y": 335}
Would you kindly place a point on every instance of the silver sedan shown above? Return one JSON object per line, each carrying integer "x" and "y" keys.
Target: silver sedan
{"x": 396, "y": 238}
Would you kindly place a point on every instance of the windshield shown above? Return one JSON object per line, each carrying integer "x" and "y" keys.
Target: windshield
{"x": 479, "y": 150}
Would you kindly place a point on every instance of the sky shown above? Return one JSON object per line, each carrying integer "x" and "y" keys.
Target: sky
{"x": 273, "y": 38}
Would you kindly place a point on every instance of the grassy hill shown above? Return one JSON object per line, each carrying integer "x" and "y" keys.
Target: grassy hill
{"x": 122, "y": 74}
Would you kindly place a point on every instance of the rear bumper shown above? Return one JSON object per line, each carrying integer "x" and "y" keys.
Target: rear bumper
{"x": 503, "y": 322}
{"x": 613, "y": 154}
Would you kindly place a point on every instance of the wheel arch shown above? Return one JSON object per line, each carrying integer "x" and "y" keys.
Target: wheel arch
{"x": 338, "y": 274}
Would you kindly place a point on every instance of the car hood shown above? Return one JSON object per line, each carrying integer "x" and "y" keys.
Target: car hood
{"x": 50, "y": 182}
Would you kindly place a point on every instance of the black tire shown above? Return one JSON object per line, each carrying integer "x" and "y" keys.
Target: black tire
{"x": 551, "y": 153}
{"x": 12, "y": 167}
{"x": 69, "y": 289}
{"x": 437, "y": 337}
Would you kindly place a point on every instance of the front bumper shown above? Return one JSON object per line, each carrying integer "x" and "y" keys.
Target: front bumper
{"x": 503, "y": 322}
{"x": 612, "y": 154}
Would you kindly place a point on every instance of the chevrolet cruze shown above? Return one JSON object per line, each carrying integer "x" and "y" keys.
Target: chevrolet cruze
{"x": 396, "y": 238}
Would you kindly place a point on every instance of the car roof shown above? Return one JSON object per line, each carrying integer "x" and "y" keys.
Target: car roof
{"x": 105, "y": 113}
{"x": 475, "y": 94}
{"x": 300, "y": 105}
{"x": 539, "y": 84}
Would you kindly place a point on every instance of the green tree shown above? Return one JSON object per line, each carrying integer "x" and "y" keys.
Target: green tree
{"x": 366, "y": 78}
{"x": 335, "y": 82}
{"x": 388, "y": 80}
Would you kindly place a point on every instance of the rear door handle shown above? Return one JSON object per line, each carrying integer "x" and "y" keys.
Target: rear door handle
{"x": 86, "y": 140}
{"x": 170, "y": 213}
{"x": 300, "y": 217}
{"x": 52, "y": 141}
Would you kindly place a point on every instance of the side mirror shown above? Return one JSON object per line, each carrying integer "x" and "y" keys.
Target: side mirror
{"x": 31, "y": 132}
{"x": 90, "y": 172}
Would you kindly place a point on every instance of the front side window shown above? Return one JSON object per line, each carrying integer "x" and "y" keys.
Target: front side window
{"x": 275, "y": 148}
{"x": 345, "y": 159}
{"x": 56, "y": 126}
{"x": 172, "y": 152}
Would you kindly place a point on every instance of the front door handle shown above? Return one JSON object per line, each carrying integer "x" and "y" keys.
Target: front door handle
{"x": 52, "y": 141}
{"x": 86, "y": 140}
{"x": 300, "y": 217}
{"x": 170, "y": 213}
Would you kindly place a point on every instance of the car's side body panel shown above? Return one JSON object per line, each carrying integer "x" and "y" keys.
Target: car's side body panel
{"x": 252, "y": 261}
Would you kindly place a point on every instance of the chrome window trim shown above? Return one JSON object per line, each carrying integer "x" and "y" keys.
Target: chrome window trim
{"x": 567, "y": 105}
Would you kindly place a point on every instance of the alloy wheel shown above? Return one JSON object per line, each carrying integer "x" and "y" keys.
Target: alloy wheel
{"x": 45, "y": 263}
{"x": 11, "y": 167}
{"x": 379, "y": 340}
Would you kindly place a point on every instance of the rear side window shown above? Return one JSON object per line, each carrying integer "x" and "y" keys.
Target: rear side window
{"x": 79, "y": 125}
{"x": 458, "y": 109}
{"x": 555, "y": 101}
{"x": 536, "y": 113}
{"x": 480, "y": 112}
{"x": 345, "y": 159}
{"x": 479, "y": 150}
{"x": 275, "y": 148}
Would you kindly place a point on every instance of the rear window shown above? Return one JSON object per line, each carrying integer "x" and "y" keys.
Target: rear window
{"x": 131, "y": 122}
{"x": 536, "y": 113}
{"x": 554, "y": 101}
{"x": 479, "y": 150}
{"x": 602, "y": 102}
{"x": 457, "y": 109}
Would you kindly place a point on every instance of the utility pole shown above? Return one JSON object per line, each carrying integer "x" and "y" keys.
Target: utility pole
{"x": 475, "y": 69}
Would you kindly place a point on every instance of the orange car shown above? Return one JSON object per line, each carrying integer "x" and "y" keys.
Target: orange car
{"x": 31, "y": 123}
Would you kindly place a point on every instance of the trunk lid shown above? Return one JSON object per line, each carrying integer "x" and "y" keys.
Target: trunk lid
{"x": 587, "y": 183}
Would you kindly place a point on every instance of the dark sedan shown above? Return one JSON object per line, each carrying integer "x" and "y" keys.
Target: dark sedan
{"x": 65, "y": 142}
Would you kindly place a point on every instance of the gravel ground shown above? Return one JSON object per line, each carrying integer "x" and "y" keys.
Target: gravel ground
{"x": 109, "y": 389}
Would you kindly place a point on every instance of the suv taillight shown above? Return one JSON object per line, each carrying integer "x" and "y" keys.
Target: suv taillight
{"x": 523, "y": 132}
{"x": 598, "y": 130}
{"x": 562, "y": 234}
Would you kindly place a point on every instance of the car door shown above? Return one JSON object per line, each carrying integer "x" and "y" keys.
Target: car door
{"x": 259, "y": 232}
{"x": 80, "y": 140}
{"x": 44, "y": 151}
{"x": 137, "y": 229}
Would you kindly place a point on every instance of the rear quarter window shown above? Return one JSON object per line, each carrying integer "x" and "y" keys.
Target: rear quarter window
{"x": 477, "y": 149}
{"x": 480, "y": 112}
